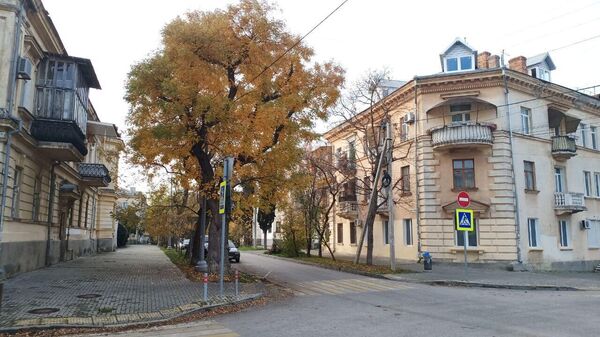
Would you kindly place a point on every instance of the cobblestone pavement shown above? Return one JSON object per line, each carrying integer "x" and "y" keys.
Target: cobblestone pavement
{"x": 133, "y": 284}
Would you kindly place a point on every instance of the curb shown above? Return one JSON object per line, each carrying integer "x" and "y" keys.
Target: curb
{"x": 468, "y": 284}
{"x": 194, "y": 307}
{"x": 344, "y": 270}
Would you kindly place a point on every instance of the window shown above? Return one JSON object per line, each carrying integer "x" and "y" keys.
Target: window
{"x": 352, "y": 232}
{"x": 459, "y": 63}
{"x": 582, "y": 135}
{"x": 367, "y": 194}
{"x": 466, "y": 63}
{"x": 597, "y": 183}
{"x": 452, "y": 64}
{"x": 87, "y": 205}
{"x": 405, "y": 179}
{"x": 16, "y": 192}
{"x": 37, "y": 189}
{"x": 559, "y": 179}
{"x": 460, "y": 112}
{"x": 526, "y": 120}
{"x": 529, "y": 168}
{"x": 472, "y": 236}
{"x": 386, "y": 236}
{"x": 403, "y": 130}
{"x": 594, "y": 134}
{"x": 533, "y": 226}
{"x": 540, "y": 73}
{"x": 594, "y": 234}
{"x": 407, "y": 224}
{"x": 563, "y": 232}
{"x": 340, "y": 233}
{"x": 463, "y": 173}
{"x": 587, "y": 176}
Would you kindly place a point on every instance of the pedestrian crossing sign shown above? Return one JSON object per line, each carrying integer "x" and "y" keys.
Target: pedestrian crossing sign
{"x": 464, "y": 220}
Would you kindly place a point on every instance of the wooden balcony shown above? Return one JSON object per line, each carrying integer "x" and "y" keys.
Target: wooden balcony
{"x": 563, "y": 147}
{"x": 463, "y": 134}
{"x": 568, "y": 203}
{"x": 95, "y": 175}
{"x": 348, "y": 209}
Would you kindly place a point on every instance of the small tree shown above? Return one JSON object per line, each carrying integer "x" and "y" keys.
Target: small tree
{"x": 265, "y": 221}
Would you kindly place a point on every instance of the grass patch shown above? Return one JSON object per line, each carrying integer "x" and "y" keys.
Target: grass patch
{"x": 183, "y": 263}
{"x": 344, "y": 265}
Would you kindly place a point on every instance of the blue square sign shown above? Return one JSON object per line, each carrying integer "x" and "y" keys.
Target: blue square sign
{"x": 464, "y": 220}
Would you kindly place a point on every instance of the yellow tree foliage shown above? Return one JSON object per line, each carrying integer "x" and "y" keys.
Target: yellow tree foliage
{"x": 215, "y": 90}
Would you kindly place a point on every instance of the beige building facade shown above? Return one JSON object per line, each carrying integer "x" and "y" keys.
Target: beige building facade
{"x": 59, "y": 162}
{"x": 525, "y": 149}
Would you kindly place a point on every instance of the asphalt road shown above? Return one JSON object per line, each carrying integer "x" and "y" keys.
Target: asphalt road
{"x": 330, "y": 303}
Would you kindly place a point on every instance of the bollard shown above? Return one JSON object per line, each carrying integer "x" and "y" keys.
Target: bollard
{"x": 237, "y": 283}
{"x": 205, "y": 281}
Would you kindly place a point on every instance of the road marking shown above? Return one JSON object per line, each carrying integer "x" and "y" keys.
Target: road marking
{"x": 195, "y": 329}
{"x": 345, "y": 286}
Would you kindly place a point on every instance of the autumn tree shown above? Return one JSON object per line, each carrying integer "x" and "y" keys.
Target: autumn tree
{"x": 234, "y": 83}
{"x": 366, "y": 111}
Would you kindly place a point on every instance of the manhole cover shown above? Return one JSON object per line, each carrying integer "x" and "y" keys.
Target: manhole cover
{"x": 43, "y": 311}
{"x": 89, "y": 296}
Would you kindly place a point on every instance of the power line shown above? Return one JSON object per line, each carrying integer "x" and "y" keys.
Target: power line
{"x": 298, "y": 42}
{"x": 575, "y": 43}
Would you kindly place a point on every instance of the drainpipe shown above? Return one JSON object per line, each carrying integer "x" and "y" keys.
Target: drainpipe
{"x": 418, "y": 203}
{"x": 51, "y": 209}
{"x": 512, "y": 165}
{"x": 10, "y": 100}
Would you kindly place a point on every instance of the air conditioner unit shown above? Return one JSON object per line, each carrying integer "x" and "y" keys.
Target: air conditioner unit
{"x": 585, "y": 224}
{"x": 409, "y": 117}
{"x": 24, "y": 69}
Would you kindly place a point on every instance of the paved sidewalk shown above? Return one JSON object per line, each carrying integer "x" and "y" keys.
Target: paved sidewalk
{"x": 134, "y": 284}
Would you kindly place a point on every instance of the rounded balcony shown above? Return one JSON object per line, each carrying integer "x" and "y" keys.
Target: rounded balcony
{"x": 462, "y": 134}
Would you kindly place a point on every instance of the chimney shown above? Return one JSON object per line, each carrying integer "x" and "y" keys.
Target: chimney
{"x": 494, "y": 61}
{"x": 519, "y": 64}
{"x": 482, "y": 60}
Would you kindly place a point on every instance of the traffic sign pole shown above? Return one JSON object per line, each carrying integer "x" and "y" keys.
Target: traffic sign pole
{"x": 465, "y": 238}
{"x": 227, "y": 172}
{"x": 465, "y": 223}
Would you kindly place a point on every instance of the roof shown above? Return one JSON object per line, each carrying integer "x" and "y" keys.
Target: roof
{"x": 458, "y": 40}
{"x": 537, "y": 59}
{"x": 392, "y": 83}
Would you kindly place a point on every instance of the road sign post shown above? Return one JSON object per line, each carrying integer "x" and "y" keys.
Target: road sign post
{"x": 223, "y": 211}
{"x": 465, "y": 223}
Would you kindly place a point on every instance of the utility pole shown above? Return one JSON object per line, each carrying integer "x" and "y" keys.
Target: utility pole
{"x": 390, "y": 196}
{"x": 224, "y": 211}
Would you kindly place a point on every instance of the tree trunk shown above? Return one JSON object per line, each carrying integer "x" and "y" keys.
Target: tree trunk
{"x": 320, "y": 245}
{"x": 265, "y": 239}
{"x": 196, "y": 242}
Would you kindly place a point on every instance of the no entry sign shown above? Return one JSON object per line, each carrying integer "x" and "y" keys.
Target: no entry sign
{"x": 463, "y": 199}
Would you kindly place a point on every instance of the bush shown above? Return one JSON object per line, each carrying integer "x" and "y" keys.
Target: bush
{"x": 275, "y": 247}
{"x": 122, "y": 236}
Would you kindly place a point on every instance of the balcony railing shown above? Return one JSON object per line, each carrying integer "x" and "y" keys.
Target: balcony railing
{"x": 94, "y": 174}
{"x": 461, "y": 134}
{"x": 348, "y": 209}
{"x": 569, "y": 202}
{"x": 48, "y": 130}
{"x": 563, "y": 147}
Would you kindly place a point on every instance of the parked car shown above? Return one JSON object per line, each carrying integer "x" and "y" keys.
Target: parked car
{"x": 234, "y": 252}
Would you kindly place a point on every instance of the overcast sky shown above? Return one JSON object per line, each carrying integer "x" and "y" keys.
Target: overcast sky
{"x": 405, "y": 37}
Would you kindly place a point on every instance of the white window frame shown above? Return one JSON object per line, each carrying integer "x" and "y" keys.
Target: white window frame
{"x": 587, "y": 183}
{"x": 593, "y": 234}
{"x": 594, "y": 136}
{"x": 458, "y": 64}
{"x": 559, "y": 179}
{"x": 563, "y": 233}
{"x": 534, "y": 241}
{"x": 582, "y": 134}
{"x": 526, "y": 120}
{"x": 462, "y": 113}
{"x": 407, "y": 230}
{"x": 16, "y": 192}
{"x": 597, "y": 183}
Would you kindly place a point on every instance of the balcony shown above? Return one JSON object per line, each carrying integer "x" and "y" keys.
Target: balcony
{"x": 59, "y": 140}
{"x": 348, "y": 209}
{"x": 568, "y": 203}
{"x": 462, "y": 134}
{"x": 95, "y": 175}
{"x": 563, "y": 147}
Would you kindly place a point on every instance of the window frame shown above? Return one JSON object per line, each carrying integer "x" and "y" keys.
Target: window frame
{"x": 405, "y": 179}
{"x": 530, "y": 173}
{"x": 340, "y": 233}
{"x": 597, "y": 184}
{"x": 559, "y": 177}
{"x": 353, "y": 232}
{"x": 563, "y": 233}
{"x": 16, "y": 192}
{"x": 594, "y": 137}
{"x": 587, "y": 183}
{"x": 536, "y": 226}
{"x": 386, "y": 231}
{"x": 583, "y": 134}
{"x": 595, "y": 231}
{"x": 526, "y": 124}
{"x": 470, "y": 234}
{"x": 463, "y": 170}
{"x": 459, "y": 64}
{"x": 407, "y": 230}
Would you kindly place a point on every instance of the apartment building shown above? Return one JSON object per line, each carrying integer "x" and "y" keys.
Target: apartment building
{"x": 525, "y": 149}
{"x": 59, "y": 161}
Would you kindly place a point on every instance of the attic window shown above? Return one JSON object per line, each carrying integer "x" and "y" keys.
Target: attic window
{"x": 540, "y": 73}
{"x": 459, "y": 63}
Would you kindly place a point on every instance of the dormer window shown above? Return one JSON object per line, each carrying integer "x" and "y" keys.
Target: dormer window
{"x": 541, "y": 73}
{"x": 540, "y": 66}
{"x": 458, "y": 57}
